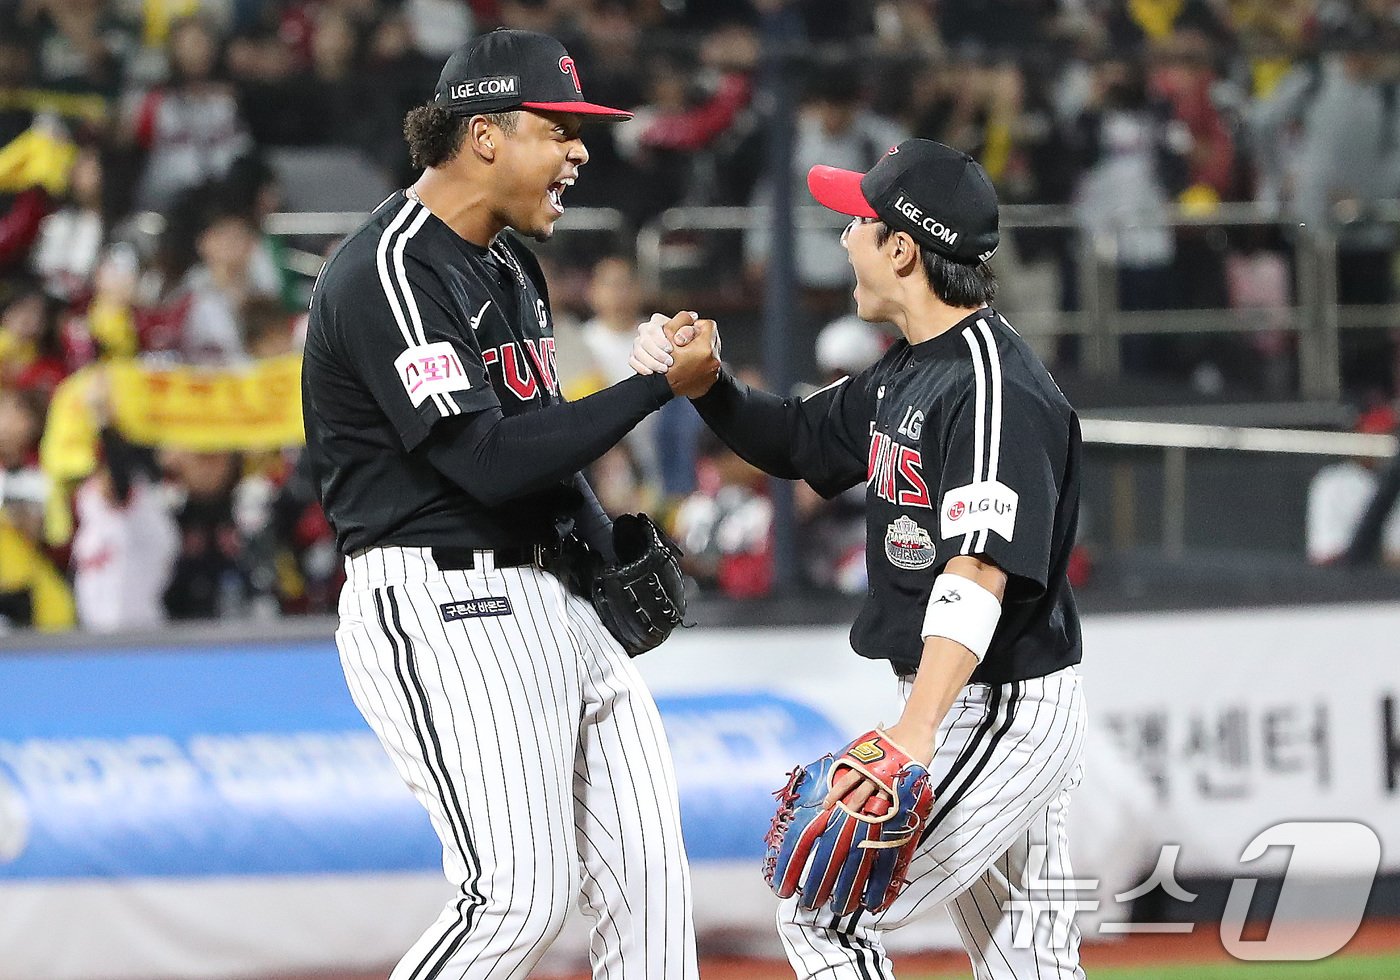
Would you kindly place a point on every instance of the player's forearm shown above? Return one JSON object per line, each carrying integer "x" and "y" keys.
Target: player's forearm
{"x": 498, "y": 458}
{"x": 944, "y": 670}
{"x": 751, "y": 422}
{"x": 947, "y": 664}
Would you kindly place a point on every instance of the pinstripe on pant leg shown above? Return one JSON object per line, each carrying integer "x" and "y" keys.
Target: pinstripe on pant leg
{"x": 456, "y": 707}
{"x": 1000, "y": 766}
{"x": 627, "y": 819}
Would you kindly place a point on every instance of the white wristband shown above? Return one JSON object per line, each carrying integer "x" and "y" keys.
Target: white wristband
{"x": 962, "y": 611}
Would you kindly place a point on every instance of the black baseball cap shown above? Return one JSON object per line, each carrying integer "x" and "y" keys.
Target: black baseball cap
{"x": 938, "y": 195}
{"x": 508, "y": 69}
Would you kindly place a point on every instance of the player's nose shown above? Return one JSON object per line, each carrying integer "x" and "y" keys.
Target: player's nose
{"x": 578, "y": 153}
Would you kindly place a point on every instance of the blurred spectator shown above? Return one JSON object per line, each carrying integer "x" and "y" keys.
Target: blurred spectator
{"x": 109, "y": 329}
{"x": 403, "y": 75}
{"x": 31, "y": 354}
{"x": 972, "y": 107}
{"x": 337, "y": 104}
{"x": 124, "y": 548}
{"x": 832, "y": 539}
{"x": 439, "y": 27}
{"x": 220, "y": 287}
{"x": 1185, "y": 77}
{"x": 660, "y": 171}
{"x": 209, "y": 579}
{"x": 190, "y": 127}
{"x": 267, "y": 328}
{"x": 21, "y": 424}
{"x": 1116, "y": 109}
{"x": 725, "y": 526}
{"x": 1338, "y": 498}
{"x": 611, "y": 35}
{"x": 253, "y": 189}
{"x": 1259, "y": 286}
{"x": 260, "y": 62}
{"x": 837, "y": 129}
{"x": 977, "y": 27}
{"x": 1341, "y": 121}
{"x": 81, "y": 46}
{"x": 693, "y": 128}
{"x": 34, "y": 162}
{"x": 1132, "y": 26}
{"x": 615, "y": 297}
{"x": 847, "y": 346}
{"x": 627, "y": 476}
{"x": 32, "y": 591}
{"x": 71, "y": 238}
{"x": 1135, "y": 155}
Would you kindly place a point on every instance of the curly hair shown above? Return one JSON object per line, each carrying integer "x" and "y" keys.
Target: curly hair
{"x": 435, "y": 135}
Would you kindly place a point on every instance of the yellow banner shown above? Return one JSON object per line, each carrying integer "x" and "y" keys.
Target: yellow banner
{"x": 203, "y": 410}
{"x": 258, "y": 407}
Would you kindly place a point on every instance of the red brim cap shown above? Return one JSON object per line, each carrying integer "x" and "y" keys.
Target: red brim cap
{"x": 840, "y": 191}
{"x": 582, "y": 109}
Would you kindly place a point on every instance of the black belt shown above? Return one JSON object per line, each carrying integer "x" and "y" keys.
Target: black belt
{"x": 450, "y": 559}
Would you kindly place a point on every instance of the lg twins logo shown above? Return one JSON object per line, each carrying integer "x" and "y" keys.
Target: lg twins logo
{"x": 895, "y": 472}
{"x": 988, "y": 505}
{"x": 566, "y": 65}
{"x": 516, "y": 374}
{"x": 430, "y": 369}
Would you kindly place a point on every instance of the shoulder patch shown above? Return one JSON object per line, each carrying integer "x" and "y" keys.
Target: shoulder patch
{"x": 430, "y": 369}
{"x": 988, "y": 505}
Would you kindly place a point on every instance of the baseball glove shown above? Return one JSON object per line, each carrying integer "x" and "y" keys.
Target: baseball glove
{"x": 842, "y": 857}
{"x": 641, "y": 599}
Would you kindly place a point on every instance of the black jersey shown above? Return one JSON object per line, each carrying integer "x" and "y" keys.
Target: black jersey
{"x": 410, "y": 324}
{"x": 967, "y": 447}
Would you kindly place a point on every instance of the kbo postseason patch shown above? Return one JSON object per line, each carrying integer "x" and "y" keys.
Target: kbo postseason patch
{"x": 907, "y": 545}
{"x": 475, "y": 608}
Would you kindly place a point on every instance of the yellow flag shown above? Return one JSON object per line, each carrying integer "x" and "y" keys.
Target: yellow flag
{"x": 24, "y": 568}
{"x": 199, "y": 409}
{"x": 37, "y": 157}
{"x": 209, "y": 410}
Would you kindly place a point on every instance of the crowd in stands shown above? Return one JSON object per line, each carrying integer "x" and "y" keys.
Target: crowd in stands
{"x": 138, "y": 143}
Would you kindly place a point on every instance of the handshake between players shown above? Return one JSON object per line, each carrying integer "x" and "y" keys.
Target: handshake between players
{"x": 670, "y": 347}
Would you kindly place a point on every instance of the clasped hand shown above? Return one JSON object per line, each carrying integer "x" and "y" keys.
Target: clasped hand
{"x": 685, "y": 348}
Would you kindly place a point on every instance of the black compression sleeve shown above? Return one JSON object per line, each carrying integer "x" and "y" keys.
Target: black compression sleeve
{"x": 751, "y": 422}
{"x": 591, "y": 522}
{"x": 497, "y": 458}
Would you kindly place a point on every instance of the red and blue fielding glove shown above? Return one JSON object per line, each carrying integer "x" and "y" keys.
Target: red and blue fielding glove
{"x": 848, "y": 859}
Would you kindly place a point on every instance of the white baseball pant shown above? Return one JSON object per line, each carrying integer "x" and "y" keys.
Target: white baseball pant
{"x": 527, "y": 734}
{"x": 1006, "y": 761}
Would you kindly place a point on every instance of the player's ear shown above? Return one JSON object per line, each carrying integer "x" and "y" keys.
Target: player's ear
{"x": 904, "y": 253}
{"x": 482, "y": 136}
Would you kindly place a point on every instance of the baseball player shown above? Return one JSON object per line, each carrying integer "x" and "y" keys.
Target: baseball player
{"x": 970, "y": 456}
{"x": 449, "y": 468}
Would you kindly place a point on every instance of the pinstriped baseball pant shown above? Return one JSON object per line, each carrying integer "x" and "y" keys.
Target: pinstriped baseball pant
{"x": 1007, "y": 759}
{"x": 539, "y": 755}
